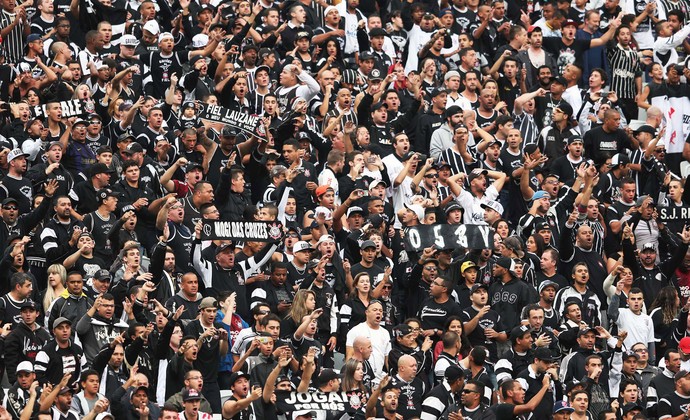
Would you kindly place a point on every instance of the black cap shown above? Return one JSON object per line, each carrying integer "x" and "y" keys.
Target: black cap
{"x": 543, "y": 353}
{"x": 228, "y": 131}
{"x": 438, "y": 91}
{"x": 104, "y": 193}
{"x": 366, "y": 55}
{"x": 102, "y": 275}
{"x": 378, "y": 105}
{"x": 28, "y": 303}
{"x": 192, "y": 166}
{"x": 630, "y": 407}
{"x": 646, "y": 128}
{"x": 584, "y": 331}
{"x": 401, "y": 330}
{"x": 237, "y": 375}
{"x": 133, "y": 148}
{"x": 9, "y": 200}
{"x": 125, "y": 136}
{"x": 102, "y": 168}
{"x": 377, "y": 32}
{"x": 560, "y": 80}
{"x": 375, "y": 74}
{"x": 453, "y": 110}
{"x": 566, "y": 108}
{"x": 327, "y": 375}
{"x": 519, "y": 331}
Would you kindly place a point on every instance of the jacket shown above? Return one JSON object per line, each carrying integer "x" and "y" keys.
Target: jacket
{"x": 23, "y": 344}
{"x": 69, "y": 306}
{"x": 176, "y": 401}
{"x": 96, "y": 332}
{"x": 52, "y": 362}
{"x": 55, "y": 240}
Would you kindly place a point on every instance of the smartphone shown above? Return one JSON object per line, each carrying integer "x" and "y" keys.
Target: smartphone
{"x": 371, "y": 159}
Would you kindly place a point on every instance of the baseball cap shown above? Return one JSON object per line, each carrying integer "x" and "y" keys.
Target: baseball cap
{"x": 165, "y": 35}
{"x": 453, "y": 205}
{"x": 66, "y": 390}
{"x": 684, "y": 345}
{"x": 587, "y": 330}
{"x": 648, "y": 247}
{"x": 101, "y": 168}
{"x": 566, "y": 108}
{"x": 377, "y": 32}
{"x": 80, "y": 121}
{"x": 547, "y": 283}
{"x": 375, "y": 74}
{"x": 534, "y": 28}
{"x": 569, "y": 22}
{"x": 562, "y": 406}
{"x": 478, "y": 286}
{"x": 628, "y": 354}
{"x": 378, "y": 105}
{"x": 191, "y": 166}
{"x": 105, "y": 193}
{"x": 417, "y": 209}
{"x": 301, "y": 246}
{"x": 129, "y": 40}
{"x": 438, "y": 91}
{"x": 25, "y": 366}
{"x": 190, "y": 394}
{"x": 208, "y": 302}
{"x": 679, "y": 375}
{"x": 401, "y": 330}
{"x": 15, "y": 153}
{"x": 328, "y": 375}
{"x": 467, "y": 265}
{"x": 152, "y": 27}
{"x": 560, "y": 80}
{"x": 28, "y": 303}
{"x": 544, "y": 225}
{"x": 322, "y": 189}
{"x": 476, "y": 174}
{"x": 505, "y": 262}
{"x": 324, "y": 238}
{"x": 543, "y": 353}
{"x": 302, "y": 35}
{"x": 102, "y": 275}
{"x": 349, "y": 77}
{"x": 223, "y": 247}
{"x": 646, "y": 128}
{"x": 133, "y": 148}
{"x": 366, "y": 55}
{"x": 619, "y": 159}
{"x": 199, "y": 41}
{"x": 237, "y": 375}
{"x": 354, "y": 209}
{"x": 453, "y": 110}
{"x": 493, "y": 205}
{"x": 539, "y": 195}
{"x": 519, "y": 331}
{"x": 575, "y": 139}
{"x": 61, "y": 321}
{"x": 631, "y": 407}
{"x": 367, "y": 244}
{"x": 32, "y": 38}
{"x": 9, "y": 200}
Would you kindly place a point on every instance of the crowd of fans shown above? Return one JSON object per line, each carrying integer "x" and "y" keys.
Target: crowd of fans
{"x": 546, "y": 123}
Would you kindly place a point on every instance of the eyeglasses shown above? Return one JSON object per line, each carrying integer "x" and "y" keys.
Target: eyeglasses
{"x": 264, "y": 312}
{"x": 469, "y": 391}
{"x": 10, "y": 208}
{"x": 660, "y": 151}
{"x": 431, "y": 176}
{"x": 430, "y": 268}
{"x": 640, "y": 350}
{"x": 175, "y": 207}
{"x": 93, "y": 122}
{"x": 387, "y": 287}
{"x": 552, "y": 182}
{"x": 292, "y": 235}
{"x": 416, "y": 329}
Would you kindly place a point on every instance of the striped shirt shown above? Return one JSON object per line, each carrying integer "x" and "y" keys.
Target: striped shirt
{"x": 625, "y": 67}
{"x": 13, "y": 42}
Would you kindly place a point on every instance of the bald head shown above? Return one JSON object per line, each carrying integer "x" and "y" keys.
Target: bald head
{"x": 361, "y": 341}
{"x": 654, "y": 112}
{"x": 406, "y": 360}
{"x": 407, "y": 367}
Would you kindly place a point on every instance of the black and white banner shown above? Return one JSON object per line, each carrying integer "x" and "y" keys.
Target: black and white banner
{"x": 288, "y": 402}
{"x": 242, "y": 231}
{"x": 251, "y": 124}
{"x": 673, "y": 213}
{"x": 70, "y": 108}
{"x": 449, "y": 237}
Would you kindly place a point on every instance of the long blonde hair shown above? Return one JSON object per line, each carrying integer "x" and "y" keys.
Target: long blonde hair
{"x": 299, "y": 305}
{"x": 50, "y": 295}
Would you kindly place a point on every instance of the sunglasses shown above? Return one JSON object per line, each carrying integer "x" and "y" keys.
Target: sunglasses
{"x": 469, "y": 391}
{"x": 10, "y": 208}
{"x": 431, "y": 176}
{"x": 387, "y": 287}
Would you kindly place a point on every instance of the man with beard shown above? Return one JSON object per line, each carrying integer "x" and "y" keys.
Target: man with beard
{"x": 589, "y": 301}
{"x": 60, "y": 235}
{"x": 435, "y": 311}
{"x": 431, "y": 121}
{"x": 442, "y": 397}
{"x": 480, "y": 192}
{"x": 536, "y": 61}
{"x": 14, "y": 184}
{"x": 565, "y": 167}
{"x": 100, "y": 223}
{"x": 83, "y": 260}
{"x": 87, "y": 191}
{"x": 483, "y": 325}
{"x": 52, "y": 168}
{"x": 188, "y": 297}
{"x": 110, "y": 368}
{"x": 552, "y": 138}
{"x": 487, "y": 112}
{"x": 98, "y": 326}
{"x": 24, "y": 341}
{"x": 543, "y": 365}
{"x": 442, "y": 137}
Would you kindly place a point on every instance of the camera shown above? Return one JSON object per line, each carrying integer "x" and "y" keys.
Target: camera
{"x": 679, "y": 68}
{"x": 421, "y": 156}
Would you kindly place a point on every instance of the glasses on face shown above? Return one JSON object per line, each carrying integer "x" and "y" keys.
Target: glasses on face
{"x": 640, "y": 350}
{"x": 10, "y": 208}
{"x": 431, "y": 268}
{"x": 468, "y": 391}
{"x": 96, "y": 122}
{"x": 660, "y": 151}
{"x": 552, "y": 182}
{"x": 431, "y": 176}
{"x": 264, "y": 312}
{"x": 387, "y": 287}
{"x": 175, "y": 207}
{"x": 292, "y": 235}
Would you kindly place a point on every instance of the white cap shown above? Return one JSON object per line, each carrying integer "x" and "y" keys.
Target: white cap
{"x": 417, "y": 209}
{"x": 105, "y": 415}
{"x": 329, "y": 9}
{"x": 325, "y": 238}
{"x": 165, "y": 35}
{"x": 129, "y": 40}
{"x": 199, "y": 41}
{"x": 15, "y": 153}
{"x": 25, "y": 366}
{"x": 301, "y": 246}
{"x": 24, "y": 68}
{"x": 152, "y": 26}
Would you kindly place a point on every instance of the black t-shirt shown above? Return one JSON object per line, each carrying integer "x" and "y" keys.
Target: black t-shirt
{"x": 478, "y": 337}
{"x": 601, "y": 145}
{"x": 88, "y": 266}
{"x": 434, "y": 314}
{"x": 566, "y": 54}
{"x": 672, "y": 405}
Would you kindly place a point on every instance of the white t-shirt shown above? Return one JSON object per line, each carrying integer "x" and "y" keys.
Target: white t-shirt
{"x": 640, "y": 327}
{"x": 474, "y": 214}
{"x": 380, "y": 345}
